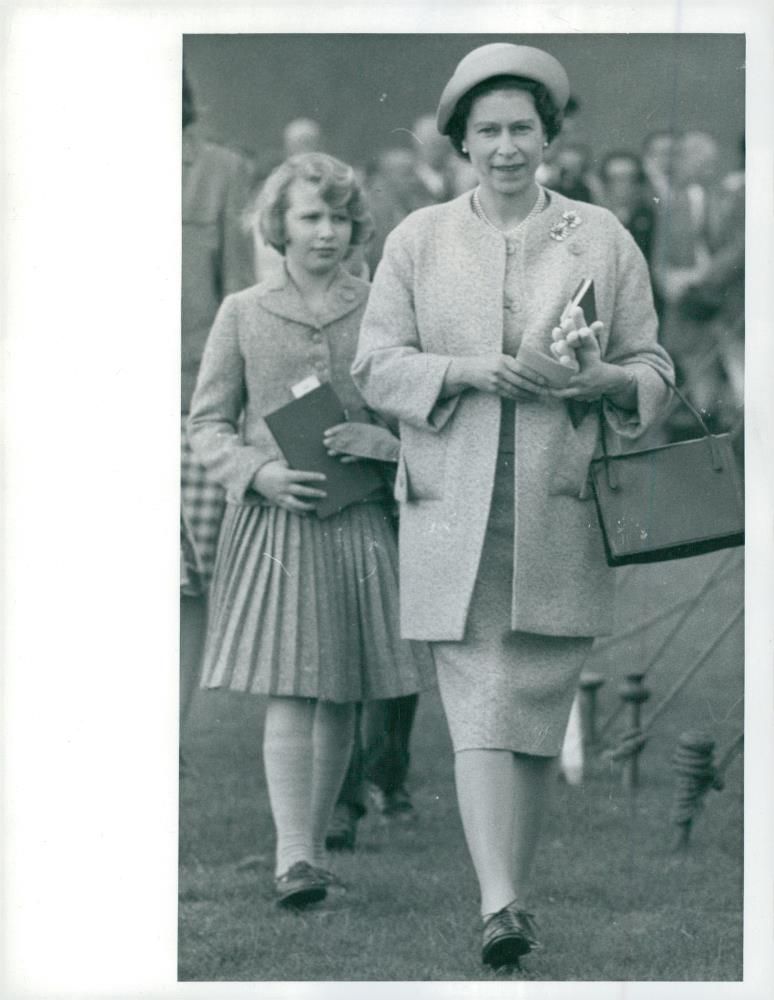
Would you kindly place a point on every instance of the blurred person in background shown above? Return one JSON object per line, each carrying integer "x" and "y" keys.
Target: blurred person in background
{"x": 713, "y": 297}
{"x": 574, "y": 180}
{"x": 623, "y": 186}
{"x": 690, "y": 226}
{"x": 216, "y": 261}
{"x": 567, "y": 164}
{"x": 734, "y": 180}
{"x": 302, "y": 135}
{"x": 393, "y": 189}
{"x": 547, "y": 172}
{"x": 657, "y": 157}
{"x": 434, "y": 157}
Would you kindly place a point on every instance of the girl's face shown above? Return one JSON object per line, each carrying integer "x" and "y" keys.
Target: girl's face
{"x": 504, "y": 137}
{"x": 317, "y": 234}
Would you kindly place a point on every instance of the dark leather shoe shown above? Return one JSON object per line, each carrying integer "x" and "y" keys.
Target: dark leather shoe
{"x": 393, "y": 805}
{"x": 342, "y": 833}
{"x": 508, "y": 934}
{"x": 300, "y": 885}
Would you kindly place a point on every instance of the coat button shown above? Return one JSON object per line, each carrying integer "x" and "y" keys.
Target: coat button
{"x": 510, "y": 247}
{"x": 575, "y": 248}
{"x": 348, "y": 294}
{"x": 508, "y": 303}
{"x": 317, "y": 337}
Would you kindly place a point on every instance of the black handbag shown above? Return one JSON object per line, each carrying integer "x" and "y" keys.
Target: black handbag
{"x": 668, "y": 502}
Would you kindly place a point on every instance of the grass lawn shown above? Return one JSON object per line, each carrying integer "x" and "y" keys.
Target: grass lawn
{"x": 612, "y": 900}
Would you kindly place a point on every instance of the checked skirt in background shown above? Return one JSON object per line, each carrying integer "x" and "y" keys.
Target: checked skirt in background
{"x": 202, "y": 502}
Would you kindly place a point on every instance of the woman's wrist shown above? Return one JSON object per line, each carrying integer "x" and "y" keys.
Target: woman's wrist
{"x": 456, "y": 378}
{"x": 623, "y": 388}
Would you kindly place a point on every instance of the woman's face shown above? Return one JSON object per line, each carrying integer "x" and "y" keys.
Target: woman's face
{"x": 504, "y": 138}
{"x": 317, "y": 234}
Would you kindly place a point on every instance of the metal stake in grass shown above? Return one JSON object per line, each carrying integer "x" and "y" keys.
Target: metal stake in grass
{"x": 590, "y": 683}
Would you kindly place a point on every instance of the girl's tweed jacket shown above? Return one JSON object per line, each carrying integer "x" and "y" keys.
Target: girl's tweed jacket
{"x": 265, "y": 340}
{"x": 439, "y": 292}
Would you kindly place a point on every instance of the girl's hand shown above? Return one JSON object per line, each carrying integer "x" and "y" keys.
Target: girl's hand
{"x": 499, "y": 374}
{"x": 355, "y": 440}
{"x": 285, "y": 487}
{"x": 596, "y": 377}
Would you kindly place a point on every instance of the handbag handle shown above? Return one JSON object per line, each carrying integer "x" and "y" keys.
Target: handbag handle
{"x": 717, "y": 461}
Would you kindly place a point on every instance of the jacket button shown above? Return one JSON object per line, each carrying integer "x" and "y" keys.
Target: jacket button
{"x": 510, "y": 247}
{"x": 347, "y": 294}
{"x": 575, "y": 248}
{"x": 508, "y": 303}
{"x": 317, "y": 337}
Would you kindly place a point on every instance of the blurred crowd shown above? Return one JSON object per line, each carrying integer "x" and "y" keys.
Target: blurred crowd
{"x": 684, "y": 212}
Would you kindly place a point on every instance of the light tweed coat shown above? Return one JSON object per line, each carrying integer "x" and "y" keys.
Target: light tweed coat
{"x": 439, "y": 292}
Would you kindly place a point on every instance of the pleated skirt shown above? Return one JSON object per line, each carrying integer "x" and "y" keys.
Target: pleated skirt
{"x": 309, "y": 608}
{"x": 503, "y": 689}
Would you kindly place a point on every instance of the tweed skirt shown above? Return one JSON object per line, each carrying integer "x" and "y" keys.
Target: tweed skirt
{"x": 201, "y": 509}
{"x": 503, "y": 689}
{"x": 309, "y": 608}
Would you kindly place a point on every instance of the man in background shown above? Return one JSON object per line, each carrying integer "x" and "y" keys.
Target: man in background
{"x": 393, "y": 189}
{"x": 623, "y": 186}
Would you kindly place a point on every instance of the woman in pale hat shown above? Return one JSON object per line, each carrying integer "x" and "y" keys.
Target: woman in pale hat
{"x": 502, "y": 560}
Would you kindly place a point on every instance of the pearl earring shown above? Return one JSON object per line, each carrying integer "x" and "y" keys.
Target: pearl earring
{"x": 464, "y": 148}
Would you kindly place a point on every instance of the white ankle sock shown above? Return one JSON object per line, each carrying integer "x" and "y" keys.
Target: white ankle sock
{"x": 287, "y": 756}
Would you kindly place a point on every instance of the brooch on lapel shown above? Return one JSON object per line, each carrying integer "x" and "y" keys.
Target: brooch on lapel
{"x": 562, "y": 229}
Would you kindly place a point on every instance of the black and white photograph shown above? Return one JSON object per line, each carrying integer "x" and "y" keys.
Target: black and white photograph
{"x": 387, "y": 681}
{"x": 457, "y": 675}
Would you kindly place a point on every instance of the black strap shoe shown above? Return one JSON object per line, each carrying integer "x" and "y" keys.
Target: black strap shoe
{"x": 300, "y": 885}
{"x": 508, "y": 934}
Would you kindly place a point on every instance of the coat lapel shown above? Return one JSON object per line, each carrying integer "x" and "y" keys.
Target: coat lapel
{"x": 280, "y": 296}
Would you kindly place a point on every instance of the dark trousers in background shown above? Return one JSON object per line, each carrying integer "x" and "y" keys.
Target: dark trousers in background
{"x": 380, "y": 754}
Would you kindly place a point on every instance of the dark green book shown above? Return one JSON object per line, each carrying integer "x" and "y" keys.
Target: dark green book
{"x": 298, "y": 429}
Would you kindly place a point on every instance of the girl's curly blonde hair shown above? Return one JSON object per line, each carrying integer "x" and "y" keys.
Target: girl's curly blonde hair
{"x": 336, "y": 183}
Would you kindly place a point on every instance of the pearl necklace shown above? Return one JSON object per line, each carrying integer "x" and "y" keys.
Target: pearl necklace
{"x": 536, "y": 208}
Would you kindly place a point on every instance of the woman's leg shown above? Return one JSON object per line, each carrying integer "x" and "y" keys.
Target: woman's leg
{"x": 532, "y": 788}
{"x": 287, "y": 757}
{"x": 485, "y": 792}
{"x": 332, "y": 735}
{"x": 501, "y": 798}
